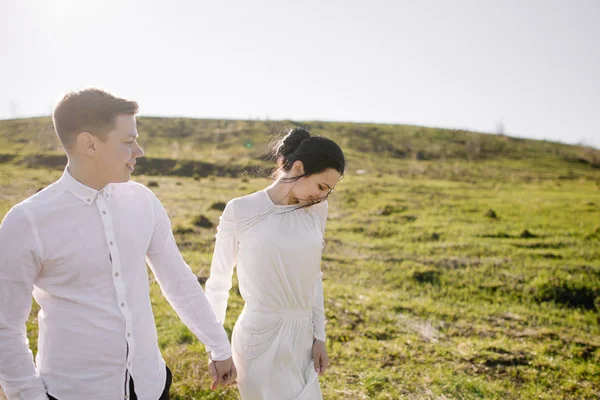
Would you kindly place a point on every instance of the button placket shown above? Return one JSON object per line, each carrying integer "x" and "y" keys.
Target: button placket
{"x": 118, "y": 282}
{"x": 107, "y": 224}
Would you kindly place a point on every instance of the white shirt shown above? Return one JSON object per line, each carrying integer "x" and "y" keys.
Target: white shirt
{"x": 83, "y": 254}
{"x": 277, "y": 252}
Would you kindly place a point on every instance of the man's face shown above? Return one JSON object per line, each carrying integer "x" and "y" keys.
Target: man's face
{"x": 116, "y": 157}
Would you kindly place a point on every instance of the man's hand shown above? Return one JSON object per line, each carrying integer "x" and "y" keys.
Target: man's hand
{"x": 223, "y": 372}
{"x": 319, "y": 353}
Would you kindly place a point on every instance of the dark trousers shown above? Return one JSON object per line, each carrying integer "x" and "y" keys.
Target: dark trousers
{"x": 163, "y": 396}
{"x": 133, "y": 396}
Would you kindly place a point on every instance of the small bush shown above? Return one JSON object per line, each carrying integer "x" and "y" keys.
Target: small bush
{"x": 219, "y": 205}
{"x": 491, "y": 214}
{"x": 527, "y": 235}
{"x": 427, "y": 276}
{"x": 388, "y": 210}
{"x": 573, "y": 291}
{"x": 202, "y": 222}
{"x": 594, "y": 235}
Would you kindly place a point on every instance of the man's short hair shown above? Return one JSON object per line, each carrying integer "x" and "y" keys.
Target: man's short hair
{"x": 88, "y": 110}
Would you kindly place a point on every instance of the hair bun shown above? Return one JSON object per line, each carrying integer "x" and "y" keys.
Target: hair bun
{"x": 292, "y": 141}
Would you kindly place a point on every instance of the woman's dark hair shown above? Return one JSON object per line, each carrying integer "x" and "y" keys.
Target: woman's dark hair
{"x": 316, "y": 153}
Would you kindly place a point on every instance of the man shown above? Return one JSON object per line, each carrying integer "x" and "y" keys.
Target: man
{"x": 81, "y": 247}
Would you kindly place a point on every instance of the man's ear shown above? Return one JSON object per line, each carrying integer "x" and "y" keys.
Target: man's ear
{"x": 85, "y": 143}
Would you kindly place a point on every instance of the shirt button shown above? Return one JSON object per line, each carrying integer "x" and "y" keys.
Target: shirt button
{"x": 129, "y": 364}
{"x": 111, "y": 243}
{"x": 128, "y": 334}
{"x": 116, "y": 274}
{"x": 104, "y": 212}
{"x": 88, "y": 200}
{"x": 122, "y": 304}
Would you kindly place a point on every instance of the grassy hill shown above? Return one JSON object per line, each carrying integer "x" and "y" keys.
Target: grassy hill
{"x": 230, "y": 146}
{"x": 457, "y": 265}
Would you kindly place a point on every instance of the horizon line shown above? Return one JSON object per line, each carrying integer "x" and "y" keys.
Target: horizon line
{"x": 266, "y": 119}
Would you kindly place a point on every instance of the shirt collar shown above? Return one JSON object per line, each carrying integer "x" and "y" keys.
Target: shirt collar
{"x": 84, "y": 193}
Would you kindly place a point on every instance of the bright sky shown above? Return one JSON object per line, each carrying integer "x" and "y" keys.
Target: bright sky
{"x": 532, "y": 66}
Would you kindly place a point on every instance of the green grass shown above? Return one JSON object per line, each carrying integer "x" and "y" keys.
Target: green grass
{"x": 427, "y": 295}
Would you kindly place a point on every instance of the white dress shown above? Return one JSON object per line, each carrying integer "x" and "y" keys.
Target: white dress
{"x": 277, "y": 250}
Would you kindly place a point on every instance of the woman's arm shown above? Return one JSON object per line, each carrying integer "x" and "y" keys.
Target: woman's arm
{"x": 318, "y": 302}
{"x": 223, "y": 261}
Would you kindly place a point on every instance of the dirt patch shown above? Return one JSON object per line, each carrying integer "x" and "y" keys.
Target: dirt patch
{"x": 145, "y": 166}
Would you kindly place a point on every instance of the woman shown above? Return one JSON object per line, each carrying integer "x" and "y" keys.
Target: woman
{"x": 275, "y": 237}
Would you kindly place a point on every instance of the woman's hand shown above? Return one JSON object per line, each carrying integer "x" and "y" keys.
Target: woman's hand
{"x": 319, "y": 353}
{"x": 223, "y": 372}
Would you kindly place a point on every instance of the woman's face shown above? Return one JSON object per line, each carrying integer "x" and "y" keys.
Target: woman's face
{"x": 313, "y": 188}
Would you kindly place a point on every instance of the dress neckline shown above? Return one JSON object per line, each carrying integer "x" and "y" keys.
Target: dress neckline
{"x": 284, "y": 206}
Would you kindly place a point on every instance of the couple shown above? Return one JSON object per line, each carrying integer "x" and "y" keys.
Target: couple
{"x": 81, "y": 246}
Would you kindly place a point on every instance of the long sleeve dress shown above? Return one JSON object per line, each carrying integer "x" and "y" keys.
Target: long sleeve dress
{"x": 277, "y": 251}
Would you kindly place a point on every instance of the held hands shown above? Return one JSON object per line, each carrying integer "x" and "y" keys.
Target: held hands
{"x": 319, "y": 353}
{"x": 223, "y": 372}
